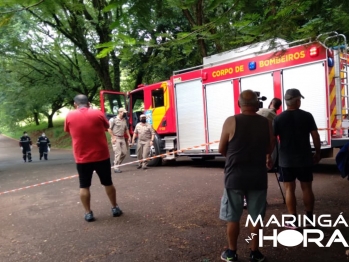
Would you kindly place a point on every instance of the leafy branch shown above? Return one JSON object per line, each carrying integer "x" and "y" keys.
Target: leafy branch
{"x": 23, "y": 9}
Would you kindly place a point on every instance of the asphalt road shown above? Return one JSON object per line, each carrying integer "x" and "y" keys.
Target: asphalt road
{"x": 170, "y": 213}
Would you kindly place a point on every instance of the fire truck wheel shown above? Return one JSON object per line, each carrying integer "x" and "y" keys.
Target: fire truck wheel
{"x": 154, "y": 151}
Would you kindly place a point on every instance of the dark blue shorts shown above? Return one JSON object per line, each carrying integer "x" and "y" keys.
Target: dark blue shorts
{"x": 102, "y": 168}
{"x": 303, "y": 174}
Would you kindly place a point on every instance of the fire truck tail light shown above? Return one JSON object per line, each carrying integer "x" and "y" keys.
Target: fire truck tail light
{"x": 252, "y": 65}
{"x": 314, "y": 51}
{"x": 333, "y": 133}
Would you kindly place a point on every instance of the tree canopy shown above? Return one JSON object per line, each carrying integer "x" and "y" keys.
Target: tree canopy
{"x": 53, "y": 49}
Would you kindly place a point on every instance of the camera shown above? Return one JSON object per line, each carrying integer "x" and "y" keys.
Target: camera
{"x": 260, "y": 99}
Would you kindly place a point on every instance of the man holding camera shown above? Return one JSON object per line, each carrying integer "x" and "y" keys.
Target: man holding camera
{"x": 270, "y": 114}
{"x": 246, "y": 152}
{"x": 273, "y": 107}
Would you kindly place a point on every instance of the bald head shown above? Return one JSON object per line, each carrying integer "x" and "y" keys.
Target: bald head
{"x": 248, "y": 98}
{"x": 81, "y": 100}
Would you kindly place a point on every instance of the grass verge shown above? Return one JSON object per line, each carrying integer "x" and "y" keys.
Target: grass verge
{"x": 57, "y": 136}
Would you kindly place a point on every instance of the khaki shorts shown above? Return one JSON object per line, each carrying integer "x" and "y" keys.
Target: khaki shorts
{"x": 232, "y": 204}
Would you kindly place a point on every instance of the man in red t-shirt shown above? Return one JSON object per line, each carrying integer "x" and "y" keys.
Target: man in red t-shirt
{"x": 87, "y": 128}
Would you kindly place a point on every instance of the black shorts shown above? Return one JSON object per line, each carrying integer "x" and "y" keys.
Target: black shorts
{"x": 102, "y": 168}
{"x": 303, "y": 174}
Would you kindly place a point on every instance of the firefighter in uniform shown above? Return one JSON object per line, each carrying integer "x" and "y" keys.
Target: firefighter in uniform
{"x": 44, "y": 145}
{"x": 145, "y": 134}
{"x": 117, "y": 130}
{"x": 25, "y": 144}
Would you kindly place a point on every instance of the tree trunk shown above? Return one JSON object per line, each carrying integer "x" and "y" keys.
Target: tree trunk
{"x": 101, "y": 68}
{"x": 202, "y": 47}
{"x": 116, "y": 71}
{"x": 199, "y": 22}
{"x": 50, "y": 121}
{"x": 139, "y": 78}
{"x": 36, "y": 118}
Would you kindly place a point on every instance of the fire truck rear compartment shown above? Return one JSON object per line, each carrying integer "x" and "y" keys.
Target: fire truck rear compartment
{"x": 190, "y": 116}
{"x": 314, "y": 91}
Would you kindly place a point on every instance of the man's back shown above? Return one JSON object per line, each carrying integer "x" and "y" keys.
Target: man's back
{"x": 87, "y": 128}
{"x": 293, "y": 128}
{"x": 246, "y": 153}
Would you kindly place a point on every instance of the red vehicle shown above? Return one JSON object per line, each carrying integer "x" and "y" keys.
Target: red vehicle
{"x": 189, "y": 109}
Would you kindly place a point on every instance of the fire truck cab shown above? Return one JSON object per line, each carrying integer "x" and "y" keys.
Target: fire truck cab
{"x": 188, "y": 110}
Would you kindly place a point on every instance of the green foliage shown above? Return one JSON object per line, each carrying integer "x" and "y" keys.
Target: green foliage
{"x": 57, "y": 136}
{"x": 53, "y": 49}
{"x": 6, "y": 19}
{"x": 43, "y": 73}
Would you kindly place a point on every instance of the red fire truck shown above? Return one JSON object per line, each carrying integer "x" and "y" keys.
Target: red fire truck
{"x": 190, "y": 108}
